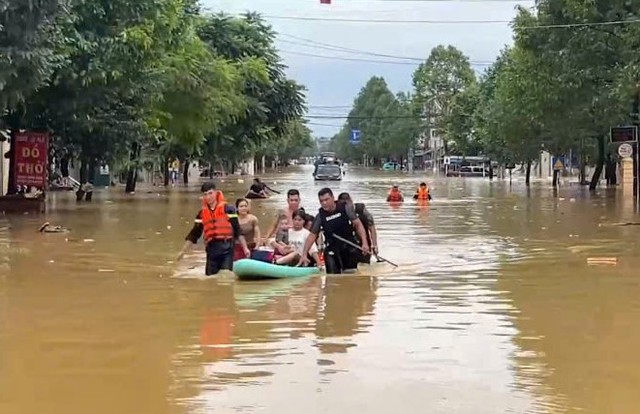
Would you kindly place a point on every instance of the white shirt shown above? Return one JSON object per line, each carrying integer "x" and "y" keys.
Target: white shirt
{"x": 297, "y": 239}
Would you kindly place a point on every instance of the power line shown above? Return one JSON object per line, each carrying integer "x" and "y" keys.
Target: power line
{"x": 346, "y": 50}
{"x": 363, "y": 117}
{"x": 543, "y": 26}
{"x": 330, "y": 106}
{"x": 329, "y": 46}
{"x": 348, "y": 20}
{"x": 391, "y": 62}
{"x": 324, "y": 125}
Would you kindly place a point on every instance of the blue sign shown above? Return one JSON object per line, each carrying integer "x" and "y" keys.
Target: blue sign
{"x": 355, "y": 136}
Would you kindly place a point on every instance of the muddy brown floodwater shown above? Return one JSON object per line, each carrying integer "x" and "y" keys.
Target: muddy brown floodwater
{"x": 494, "y": 309}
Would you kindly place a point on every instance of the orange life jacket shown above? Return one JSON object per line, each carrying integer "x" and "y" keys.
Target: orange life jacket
{"x": 423, "y": 193}
{"x": 216, "y": 223}
{"x": 394, "y": 195}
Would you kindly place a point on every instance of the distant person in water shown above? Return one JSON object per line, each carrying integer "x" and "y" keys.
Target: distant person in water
{"x": 422, "y": 193}
{"x": 395, "y": 195}
{"x": 258, "y": 189}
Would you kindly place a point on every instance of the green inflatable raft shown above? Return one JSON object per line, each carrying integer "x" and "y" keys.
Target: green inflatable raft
{"x": 256, "y": 269}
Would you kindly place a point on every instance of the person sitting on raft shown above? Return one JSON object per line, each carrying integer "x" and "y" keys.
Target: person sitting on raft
{"x": 248, "y": 228}
{"x": 367, "y": 222}
{"x": 293, "y": 204}
{"x": 218, "y": 223}
{"x": 422, "y": 193}
{"x": 395, "y": 195}
{"x": 258, "y": 190}
{"x": 297, "y": 236}
{"x": 280, "y": 243}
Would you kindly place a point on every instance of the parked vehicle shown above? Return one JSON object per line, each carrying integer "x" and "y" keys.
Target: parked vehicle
{"x": 469, "y": 171}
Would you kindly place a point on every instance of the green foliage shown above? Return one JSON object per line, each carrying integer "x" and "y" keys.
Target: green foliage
{"x": 272, "y": 101}
{"x": 111, "y": 78}
{"x": 388, "y": 124}
{"x": 30, "y": 46}
{"x": 437, "y": 83}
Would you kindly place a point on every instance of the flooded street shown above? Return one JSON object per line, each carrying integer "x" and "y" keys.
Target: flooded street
{"x": 493, "y": 309}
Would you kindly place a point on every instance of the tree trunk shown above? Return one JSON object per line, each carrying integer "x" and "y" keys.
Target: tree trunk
{"x": 132, "y": 175}
{"x": 554, "y": 183}
{"x": 610, "y": 172}
{"x": 185, "y": 172}
{"x": 92, "y": 167}
{"x": 599, "y": 167}
{"x": 165, "y": 171}
{"x": 583, "y": 169}
{"x": 528, "y": 174}
{"x": 84, "y": 171}
{"x": 12, "y": 188}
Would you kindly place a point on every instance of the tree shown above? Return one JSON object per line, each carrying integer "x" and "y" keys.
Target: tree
{"x": 272, "y": 100}
{"x": 445, "y": 74}
{"x": 386, "y": 122}
{"x": 30, "y": 39}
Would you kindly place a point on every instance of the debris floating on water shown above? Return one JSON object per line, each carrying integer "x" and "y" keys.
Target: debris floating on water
{"x": 611, "y": 261}
{"x": 88, "y": 240}
{"x": 106, "y": 270}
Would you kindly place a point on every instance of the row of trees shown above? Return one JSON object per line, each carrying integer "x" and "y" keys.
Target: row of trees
{"x": 133, "y": 82}
{"x": 568, "y": 77}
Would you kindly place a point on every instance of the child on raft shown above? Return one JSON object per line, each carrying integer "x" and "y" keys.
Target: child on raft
{"x": 297, "y": 237}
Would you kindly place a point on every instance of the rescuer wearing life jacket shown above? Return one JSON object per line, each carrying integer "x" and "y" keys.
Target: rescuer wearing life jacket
{"x": 218, "y": 223}
{"x": 395, "y": 195}
{"x": 422, "y": 193}
{"x": 367, "y": 222}
{"x": 336, "y": 219}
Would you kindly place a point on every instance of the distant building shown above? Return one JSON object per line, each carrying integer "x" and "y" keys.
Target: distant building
{"x": 323, "y": 143}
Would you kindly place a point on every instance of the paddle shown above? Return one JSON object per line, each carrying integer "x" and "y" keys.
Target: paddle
{"x": 345, "y": 241}
{"x": 271, "y": 189}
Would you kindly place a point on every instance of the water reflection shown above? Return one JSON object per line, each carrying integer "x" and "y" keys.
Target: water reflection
{"x": 494, "y": 308}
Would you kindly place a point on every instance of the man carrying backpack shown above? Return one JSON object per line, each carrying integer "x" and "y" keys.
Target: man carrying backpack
{"x": 367, "y": 222}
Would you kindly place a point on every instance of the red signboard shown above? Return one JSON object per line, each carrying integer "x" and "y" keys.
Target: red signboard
{"x": 31, "y": 151}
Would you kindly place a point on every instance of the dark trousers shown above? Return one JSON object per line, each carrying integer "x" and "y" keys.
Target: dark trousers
{"x": 219, "y": 256}
{"x": 336, "y": 261}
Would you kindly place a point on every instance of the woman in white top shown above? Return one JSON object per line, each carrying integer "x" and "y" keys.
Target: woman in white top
{"x": 297, "y": 238}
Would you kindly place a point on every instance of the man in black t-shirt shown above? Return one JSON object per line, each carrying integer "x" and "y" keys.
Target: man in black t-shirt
{"x": 336, "y": 219}
{"x": 367, "y": 222}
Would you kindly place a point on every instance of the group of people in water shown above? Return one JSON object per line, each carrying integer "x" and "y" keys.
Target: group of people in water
{"x": 341, "y": 235}
{"x": 422, "y": 194}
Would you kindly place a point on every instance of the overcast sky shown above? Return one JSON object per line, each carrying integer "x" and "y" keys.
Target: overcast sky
{"x": 333, "y": 82}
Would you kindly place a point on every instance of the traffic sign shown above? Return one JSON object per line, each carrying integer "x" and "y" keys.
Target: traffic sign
{"x": 625, "y": 150}
{"x": 558, "y": 164}
{"x": 355, "y": 136}
{"x": 624, "y": 133}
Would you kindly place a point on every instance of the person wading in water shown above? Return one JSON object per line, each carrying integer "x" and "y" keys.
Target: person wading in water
{"x": 367, "y": 222}
{"x": 218, "y": 223}
{"x": 336, "y": 219}
{"x": 293, "y": 204}
{"x": 248, "y": 228}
